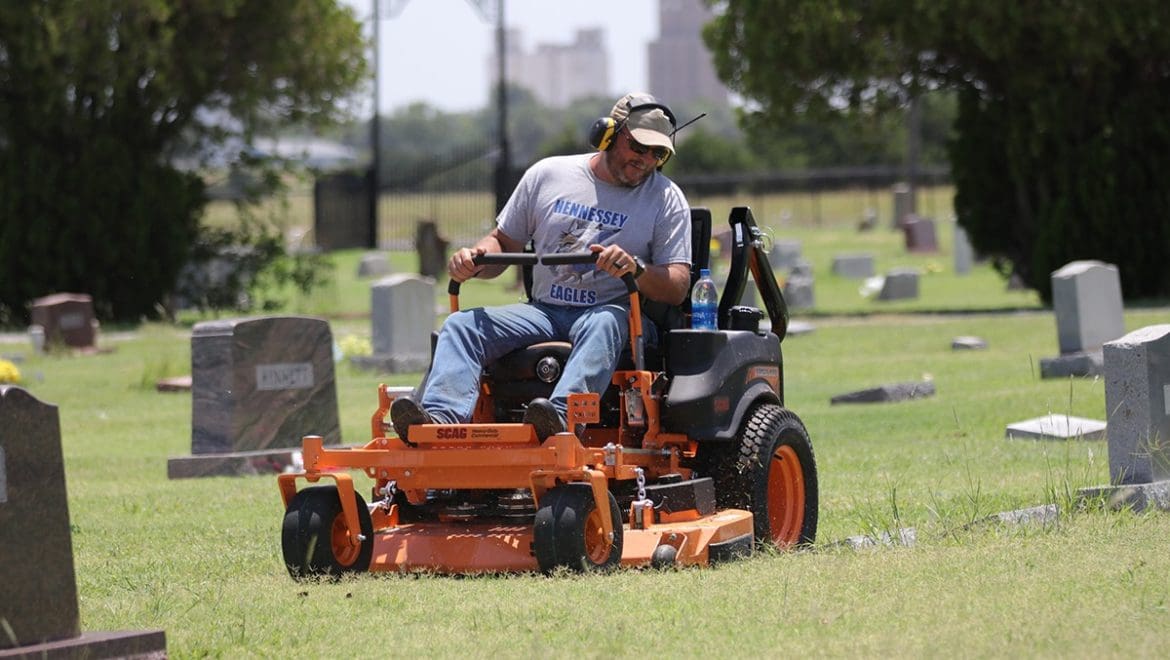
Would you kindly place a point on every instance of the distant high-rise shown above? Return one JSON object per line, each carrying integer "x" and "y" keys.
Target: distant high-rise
{"x": 558, "y": 74}
{"x": 680, "y": 66}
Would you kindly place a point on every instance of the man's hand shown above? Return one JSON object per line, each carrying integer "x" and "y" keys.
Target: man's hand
{"x": 461, "y": 267}
{"x": 614, "y": 260}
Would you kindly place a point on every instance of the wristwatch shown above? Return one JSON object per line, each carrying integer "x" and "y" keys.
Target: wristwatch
{"x": 639, "y": 267}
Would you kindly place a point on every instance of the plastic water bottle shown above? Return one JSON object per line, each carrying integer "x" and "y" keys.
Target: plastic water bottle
{"x": 704, "y": 302}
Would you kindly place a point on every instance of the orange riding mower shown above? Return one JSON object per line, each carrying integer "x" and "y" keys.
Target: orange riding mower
{"x": 689, "y": 458}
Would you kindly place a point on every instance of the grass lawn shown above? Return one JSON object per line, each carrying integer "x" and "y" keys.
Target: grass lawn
{"x": 201, "y": 558}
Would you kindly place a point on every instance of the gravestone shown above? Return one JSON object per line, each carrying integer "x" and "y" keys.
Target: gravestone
{"x": 798, "y": 292}
{"x": 432, "y": 250}
{"x": 903, "y": 204}
{"x": 1137, "y": 403}
{"x": 258, "y": 386}
{"x": 66, "y": 319}
{"x": 853, "y": 266}
{"x": 1137, "y": 400}
{"x": 402, "y": 315}
{"x": 1086, "y": 299}
{"x": 920, "y": 235}
{"x": 968, "y": 343}
{"x": 964, "y": 252}
{"x": 1055, "y": 426}
{"x": 888, "y": 393}
{"x": 802, "y": 268}
{"x": 900, "y": 284}
{"x": 38, "y": 610}
{"x": 374, "y": 264}
{"x": 784, "y": 254}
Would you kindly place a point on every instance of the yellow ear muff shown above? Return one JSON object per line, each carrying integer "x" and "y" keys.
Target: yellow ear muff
{"x": 602, "y": 132}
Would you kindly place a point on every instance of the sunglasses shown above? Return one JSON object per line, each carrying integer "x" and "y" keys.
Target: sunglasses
{"x": 660, "y": 153}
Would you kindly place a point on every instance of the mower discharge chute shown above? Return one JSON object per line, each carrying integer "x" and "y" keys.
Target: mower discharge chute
{"x": 688, "y": 459}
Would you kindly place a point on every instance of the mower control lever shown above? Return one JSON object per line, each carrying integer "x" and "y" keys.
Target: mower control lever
{"x": 558, "y": 259}
{"x": 529, "y": 259}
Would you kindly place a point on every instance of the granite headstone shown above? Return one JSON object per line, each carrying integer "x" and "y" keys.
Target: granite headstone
{"x": 402, "y": 314}
{"x": 920, "y": 235}
{"x": 964, "y": 253}
{"x": 258, "y": 386}
{"x": 38, "y": 589}
{"x": 431, "y": 249}
{"x": 1137, "y": 402}
{"x": 903, "y": 204}
{"x": 67, "y": 319}
{"x": 1086, "y": 299}
{"x": 373, "y": 264}
{"x": 853, "y": 266}
{"x": 899, "y": 284}
{"x": 784, "y": 254}
{"x": 798, "y": 292}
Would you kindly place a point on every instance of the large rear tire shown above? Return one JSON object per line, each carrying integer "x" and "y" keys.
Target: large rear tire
{"x": 315, "y": 540}
{"x": 773, "y": 474}
{"x": 568, "y": 531}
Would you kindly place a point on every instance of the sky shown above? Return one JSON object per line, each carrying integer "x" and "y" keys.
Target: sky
{"x": 436, "y": 50}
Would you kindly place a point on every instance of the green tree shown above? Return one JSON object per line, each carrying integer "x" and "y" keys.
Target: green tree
{"x": 1060, "y": 138}
{"x": 98, "y": 98}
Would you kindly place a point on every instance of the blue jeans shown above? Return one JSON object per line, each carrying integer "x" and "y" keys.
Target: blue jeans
{"x": 473, "y": 338}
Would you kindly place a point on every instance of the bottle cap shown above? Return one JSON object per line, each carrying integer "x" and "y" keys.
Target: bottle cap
{"x": 704, "y": 272}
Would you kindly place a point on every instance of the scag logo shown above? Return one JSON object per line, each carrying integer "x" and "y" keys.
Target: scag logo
{"x": 451, "y": 433}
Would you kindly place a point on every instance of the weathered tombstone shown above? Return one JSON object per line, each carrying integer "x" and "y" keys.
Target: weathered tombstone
{"x": 66, "y": 319}
{"x": 968, "y": 343}
{"x": 900, "y": 284}
{"x": 890, "y": 392}
{"x": 374, "y": 264}
{"x": 38, "y": 610}
{"x": 258, "y": 386}
{"x": 432, "y": 250}
{"x": 920, "y": 234}
{"x": 784, "y": 254}
{"x": 1056, "y": 427}
{"x": 853, "y": 265}
{"x": 402, "y": 314}
{"x": 903, "y": 204}
{"x": 1137, "y": 403}
{"x": 964, "y": 252}
{"x": 798, "y": 292}
{"x": 1086, "y": 299}
{"x": 802, "y": 268}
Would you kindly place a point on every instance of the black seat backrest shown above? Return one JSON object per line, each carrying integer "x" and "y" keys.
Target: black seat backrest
{"x": 665, "y": 316}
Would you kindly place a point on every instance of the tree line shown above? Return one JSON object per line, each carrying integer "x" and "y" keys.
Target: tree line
{"x": 1049, "y": 114}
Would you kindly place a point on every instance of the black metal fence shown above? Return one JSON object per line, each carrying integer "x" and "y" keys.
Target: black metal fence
{"x": 456, "y": 193}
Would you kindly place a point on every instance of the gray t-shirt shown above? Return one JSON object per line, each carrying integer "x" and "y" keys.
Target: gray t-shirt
{"x": 563, "y": 207}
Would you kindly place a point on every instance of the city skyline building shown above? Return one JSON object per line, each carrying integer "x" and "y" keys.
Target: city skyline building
{"x": 557, "y": 74}
{"x": 680, "y": 68}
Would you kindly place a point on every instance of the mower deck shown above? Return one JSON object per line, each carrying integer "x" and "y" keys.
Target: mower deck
{"x": 488, "y": 547}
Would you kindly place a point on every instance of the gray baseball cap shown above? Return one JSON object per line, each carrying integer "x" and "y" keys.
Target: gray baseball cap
{"x": 650, "y": 126}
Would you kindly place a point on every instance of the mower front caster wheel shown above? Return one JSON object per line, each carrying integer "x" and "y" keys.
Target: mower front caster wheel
{"x": 315, "y": 539}
{"x": 568, "y": 531}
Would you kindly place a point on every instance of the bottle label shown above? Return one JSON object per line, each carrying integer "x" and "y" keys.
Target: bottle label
{"x": 703, "y": 317}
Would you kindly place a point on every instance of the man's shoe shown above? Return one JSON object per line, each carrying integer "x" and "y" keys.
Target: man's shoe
{"x": 544, "y": 418}
{"x": 405, "y": 413}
